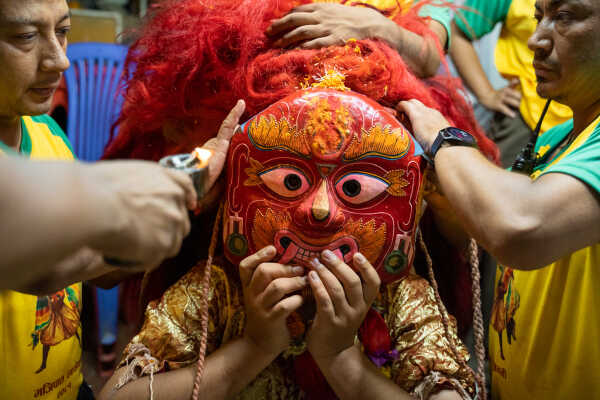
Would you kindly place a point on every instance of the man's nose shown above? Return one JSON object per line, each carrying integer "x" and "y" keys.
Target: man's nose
{"x": 541, "y": 41}
{"x": 54, "y": 57}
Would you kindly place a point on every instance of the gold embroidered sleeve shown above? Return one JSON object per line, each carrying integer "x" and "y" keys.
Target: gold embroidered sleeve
{"x": 426, "y": 362}
{"x": 171, "y": 334}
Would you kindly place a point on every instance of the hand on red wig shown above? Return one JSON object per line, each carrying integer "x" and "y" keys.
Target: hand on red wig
{"x": 318, "y": 25}
{"x": 426, "y": 122}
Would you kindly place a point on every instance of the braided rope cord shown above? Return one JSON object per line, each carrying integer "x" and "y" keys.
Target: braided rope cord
{"x": 445, "y": 318}
{"x": 205, "y": 294}
{"x": 478, "y": 328}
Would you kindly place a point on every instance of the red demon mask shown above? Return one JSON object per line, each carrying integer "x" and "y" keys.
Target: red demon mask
{"x": 324, "y": 169}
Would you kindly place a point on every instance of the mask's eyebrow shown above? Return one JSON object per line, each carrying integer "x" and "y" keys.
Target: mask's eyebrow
{"x": 379, "y": 141}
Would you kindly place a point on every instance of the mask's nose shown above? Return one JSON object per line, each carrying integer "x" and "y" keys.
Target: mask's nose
{"x": 319, "y": 212}
{"x": 320, "y": 207}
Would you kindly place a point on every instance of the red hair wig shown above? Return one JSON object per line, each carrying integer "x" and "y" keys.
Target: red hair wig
{"x": 195, "y": 58}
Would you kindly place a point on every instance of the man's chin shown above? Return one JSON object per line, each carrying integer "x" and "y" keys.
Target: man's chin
{"x": 548, "y": 90}
{"x": 31, "y": 108}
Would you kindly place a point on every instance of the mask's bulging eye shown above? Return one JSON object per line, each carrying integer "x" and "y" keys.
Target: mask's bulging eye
{"x": 351, "y": 188}
{"x": 360, "y": 187}
{"x": 292, "y": 182}
{"x": 285, "y": 180}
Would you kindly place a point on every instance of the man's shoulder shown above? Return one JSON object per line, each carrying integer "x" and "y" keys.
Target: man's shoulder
{"x": 38, "y": 126}
{"x": 47, "y": 120}
{"x": 476, "y": 18}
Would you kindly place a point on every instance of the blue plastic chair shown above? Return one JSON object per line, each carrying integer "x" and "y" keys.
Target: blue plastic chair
{"x": 93, "y": 90}
{"x": 93, "y": 83}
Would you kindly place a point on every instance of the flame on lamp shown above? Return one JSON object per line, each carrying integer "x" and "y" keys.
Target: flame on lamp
{"x": 202, "y": 155}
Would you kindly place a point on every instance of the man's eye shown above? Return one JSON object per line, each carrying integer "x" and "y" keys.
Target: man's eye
{"x": 563, "y": 16}
{"x": 26, "y": 36}
{"x": 63, "y": 31}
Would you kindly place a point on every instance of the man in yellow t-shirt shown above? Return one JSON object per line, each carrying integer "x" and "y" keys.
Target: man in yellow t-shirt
{"x": 40, "y": 349}
{"x": 41, "y": 335}
{"x": 518, "y": 107}
{"x": 133, "y": 211}
{"x": 545, "y": 223}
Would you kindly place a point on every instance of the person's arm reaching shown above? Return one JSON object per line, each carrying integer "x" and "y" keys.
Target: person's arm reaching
{"x": 60, "y": 220}
{"x": 505, "y": 100}
{"x": 51, "y": 210}
{"x": 85, "y": 264}
{"x": 319, "y": 25}
{"x": 523, "y": 223}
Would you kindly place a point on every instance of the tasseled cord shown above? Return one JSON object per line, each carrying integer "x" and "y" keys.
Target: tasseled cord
{"x": 477, "y": 315}
{"x": 205, "y": 294}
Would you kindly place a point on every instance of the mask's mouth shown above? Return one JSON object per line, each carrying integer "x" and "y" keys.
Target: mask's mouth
{"x": 294, "y": 251}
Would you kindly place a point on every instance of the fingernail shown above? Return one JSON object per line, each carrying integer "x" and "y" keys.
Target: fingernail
{"x": 297, "y": 270}
{"x": 358, "y": 257}
{"x": 328, "y": 255}
{"x": 314, "y": 276}
{"x": 316, "y": 264}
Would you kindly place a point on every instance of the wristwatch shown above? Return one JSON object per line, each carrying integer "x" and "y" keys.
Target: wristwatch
{"x": 451, "y": 137}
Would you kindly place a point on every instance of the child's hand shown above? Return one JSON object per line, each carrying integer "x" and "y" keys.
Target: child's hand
{"x": 342, "y": 301}
{"x": 267, "y": 288}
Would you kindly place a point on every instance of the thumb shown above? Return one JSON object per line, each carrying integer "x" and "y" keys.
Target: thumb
{"x": 220, "y": 144}
{"x": 231, "y": 122}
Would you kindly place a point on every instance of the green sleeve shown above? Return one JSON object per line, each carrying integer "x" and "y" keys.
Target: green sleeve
{"x": 441, "y": 14}
{"x": 582, "y": 163}
{"x": 54, "y": 128}
{"x": 478, "y": 17}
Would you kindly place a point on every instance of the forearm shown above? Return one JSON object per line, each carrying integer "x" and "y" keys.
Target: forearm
{"x": 420, "y": 53}
{"x": 44, "y": 218}
{"x": 467, "y": 64}
{"x": 352, "y": 376}
{"x": 496, "y": 207}
{"x": 83, "y": 265}
{"x": 231, "y": 368}
{"x": 227, "y": 371}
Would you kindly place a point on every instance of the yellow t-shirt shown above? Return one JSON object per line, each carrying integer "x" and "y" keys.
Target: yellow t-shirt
{"x": 545, "y": 325}
{"x": 40, "y": 345}
{"x": 513, "y": 57}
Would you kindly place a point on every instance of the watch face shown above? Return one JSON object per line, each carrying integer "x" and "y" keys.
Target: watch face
{"x": 452, "y": 133}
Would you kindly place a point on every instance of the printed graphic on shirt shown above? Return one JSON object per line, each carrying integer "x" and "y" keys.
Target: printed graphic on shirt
{"x": 506, "y": 304}
{"x": 56, "y": 320}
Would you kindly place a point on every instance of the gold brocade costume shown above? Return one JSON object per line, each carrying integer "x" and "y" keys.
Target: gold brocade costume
{"x": 170, "y": 336}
